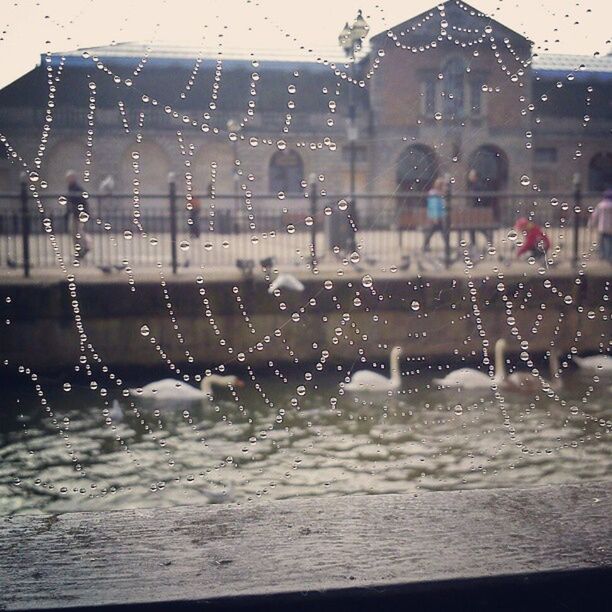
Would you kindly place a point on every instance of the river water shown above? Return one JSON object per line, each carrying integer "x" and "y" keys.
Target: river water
{"x": 277, "y": 439}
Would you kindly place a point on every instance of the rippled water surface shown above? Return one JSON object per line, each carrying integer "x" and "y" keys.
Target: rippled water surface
{"x": 279, "y": 441}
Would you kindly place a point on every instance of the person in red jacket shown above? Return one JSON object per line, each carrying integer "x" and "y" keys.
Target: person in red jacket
{"x": 535, "y": 241}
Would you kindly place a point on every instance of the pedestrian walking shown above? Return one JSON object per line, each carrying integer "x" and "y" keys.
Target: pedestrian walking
{"x": 77, "y": 215}
{"x": 478, "y": 186}
{"x": 601, "y": 220}
{"x": 436, "y": 211}
{"x": 194, "y": 218}
{"x": 351, "y": 228}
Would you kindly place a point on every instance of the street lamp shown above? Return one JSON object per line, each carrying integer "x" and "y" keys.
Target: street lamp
{"x": 350, "y": 39}
{"x": 233, "y": 128}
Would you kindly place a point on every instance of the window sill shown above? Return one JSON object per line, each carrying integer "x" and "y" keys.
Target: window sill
{"x": 503, "y": 549}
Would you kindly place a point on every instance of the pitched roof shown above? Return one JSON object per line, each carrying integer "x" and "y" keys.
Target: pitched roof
{"x": 581, "y": 66}
{"x": 184, "y": 55}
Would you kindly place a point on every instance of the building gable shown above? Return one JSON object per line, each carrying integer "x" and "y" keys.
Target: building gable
{"x": 454, "y": 21}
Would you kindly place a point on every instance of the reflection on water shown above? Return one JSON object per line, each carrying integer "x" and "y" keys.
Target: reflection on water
{"x": 282, "y": 441}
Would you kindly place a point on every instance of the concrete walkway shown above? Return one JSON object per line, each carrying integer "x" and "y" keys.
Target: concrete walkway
{"x": 325, "y": 271}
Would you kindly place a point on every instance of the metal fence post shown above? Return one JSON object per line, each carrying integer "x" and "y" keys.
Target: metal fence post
{"x": 313, "y": 213}
{"x": 447, "y": 225}
{"x": 577, "y": 210}
{"x": 25, "y": 226}
{"x": 172, "y": 193}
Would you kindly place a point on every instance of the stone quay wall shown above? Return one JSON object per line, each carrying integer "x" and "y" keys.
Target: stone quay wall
{"x": 239, "y": 323}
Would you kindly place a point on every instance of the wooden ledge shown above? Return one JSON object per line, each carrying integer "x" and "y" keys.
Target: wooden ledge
{"x": 497, "y": 549}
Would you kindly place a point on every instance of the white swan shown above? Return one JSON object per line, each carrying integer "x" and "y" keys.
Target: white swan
{"x": 172, "y": 389}
{"x": 366, "y": 380}
{"x": 115, "y": 412}
{"x": 286, "y": 281}
{"x": 595, "y": 363}
{"x": 470, "y": 378}
{"x": 524, "y": 382}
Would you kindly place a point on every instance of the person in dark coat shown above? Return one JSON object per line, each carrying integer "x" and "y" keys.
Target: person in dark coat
{"x": 351, "y": 228}
{"x": 77, "y": 208}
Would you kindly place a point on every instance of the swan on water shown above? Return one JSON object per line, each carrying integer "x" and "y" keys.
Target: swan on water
{"x": 366, "y": 380}
{"x": 115, "y": 412}
{"x": 595, "y": 363}
{"x": 286, "y": 281}
{"x": 172, "y": 389}
{"x": 524, "y": 382}
{"x": 470, "y": 378}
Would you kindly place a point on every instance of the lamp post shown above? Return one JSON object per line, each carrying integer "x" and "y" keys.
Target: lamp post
{"x": 350, "y": 39}
{"x": 233, "y": 128}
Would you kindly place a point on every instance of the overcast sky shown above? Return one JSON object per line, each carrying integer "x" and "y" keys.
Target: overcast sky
{"x": 267, "y": 27}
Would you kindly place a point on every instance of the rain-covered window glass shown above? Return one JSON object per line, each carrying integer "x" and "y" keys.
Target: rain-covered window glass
{"x": 453, "y": 87}
{"x": 476, "y": 97}
{"x": 286, "y": 172}
{"x": 429, "y": 97}
{"x": 252, "y": 254}
{"x": 600, "y": 171}
{"x": 545, "y": 155}
{"x": 360, "y": 152}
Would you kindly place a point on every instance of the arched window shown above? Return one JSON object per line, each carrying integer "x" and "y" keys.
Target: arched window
{"x": 600, "y": 172}
{"x": 417, "y": 168}
{"x": 65, "y": 155}
{"x": 453, "y": 85}
{"x": 286, "y": 172}
{"x": 488, "y": 171}
{"x": 151, "y": 168}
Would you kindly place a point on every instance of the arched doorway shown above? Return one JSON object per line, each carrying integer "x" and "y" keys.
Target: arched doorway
{"x": 286, "y": 172}
{"x": 488, "y": 172}
{"x": 65, "y": 155}
{"x": 417, "y": 168}
{"x": 149, "y": 163}
{"x": 600, "y": 172}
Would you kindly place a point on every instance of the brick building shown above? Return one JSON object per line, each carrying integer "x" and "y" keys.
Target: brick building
{"x": 447, "y": 92}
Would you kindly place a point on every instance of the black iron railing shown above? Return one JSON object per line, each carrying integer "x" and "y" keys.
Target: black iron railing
{"x": 121, "y": 230}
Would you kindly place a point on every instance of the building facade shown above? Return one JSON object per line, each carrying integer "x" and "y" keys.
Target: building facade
{"x": 449, "y": 92}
